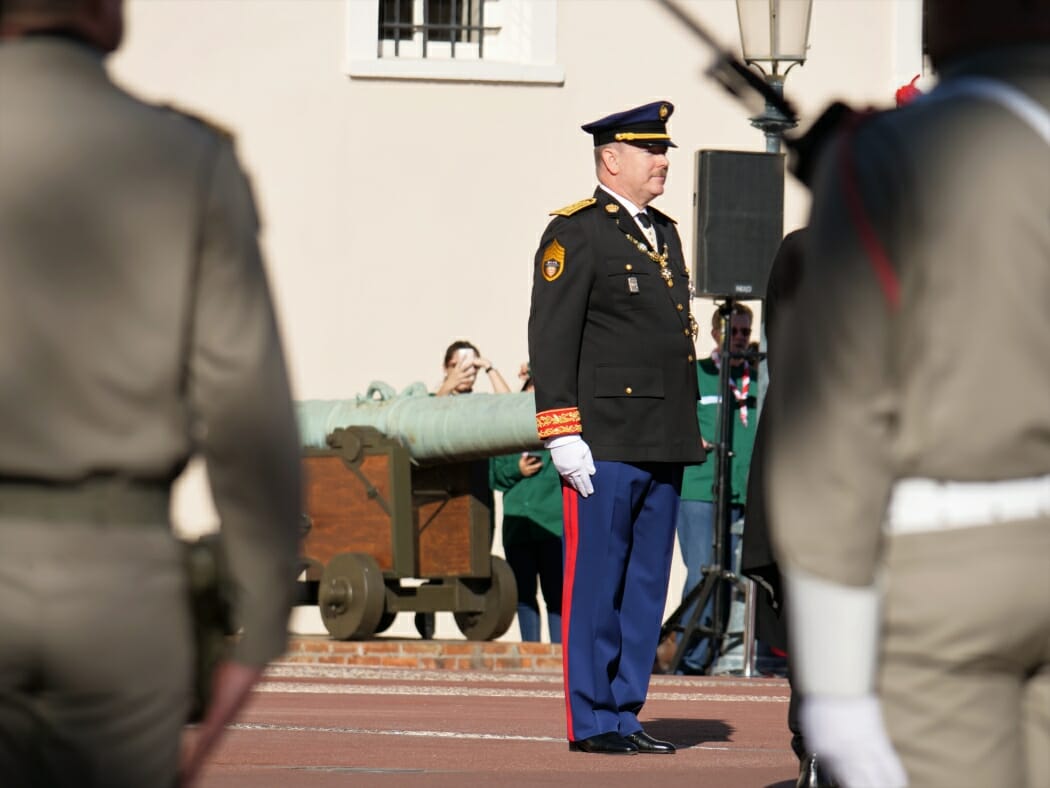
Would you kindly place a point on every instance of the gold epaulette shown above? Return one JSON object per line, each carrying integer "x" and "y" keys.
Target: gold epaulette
{"x": 576, "y": 207}
{"x": 222, "y": 131}
{"x": 669, "y": 218}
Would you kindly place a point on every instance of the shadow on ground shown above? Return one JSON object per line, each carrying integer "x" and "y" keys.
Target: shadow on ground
{"x": 688, "y": 732}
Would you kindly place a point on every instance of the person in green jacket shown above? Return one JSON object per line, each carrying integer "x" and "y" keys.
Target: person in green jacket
{"x": 532, "y": 533}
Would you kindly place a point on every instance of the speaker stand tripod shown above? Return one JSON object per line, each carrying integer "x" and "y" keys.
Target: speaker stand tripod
{"x": 718, "y": 579}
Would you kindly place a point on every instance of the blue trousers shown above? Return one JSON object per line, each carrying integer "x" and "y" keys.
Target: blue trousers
{"x": 618, "y": 547}
{"x": 695, "y": 526}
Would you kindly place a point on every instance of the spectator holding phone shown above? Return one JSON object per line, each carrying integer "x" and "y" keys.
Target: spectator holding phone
{"x": 462, "y": 363}
{"x": 532, "y": 531}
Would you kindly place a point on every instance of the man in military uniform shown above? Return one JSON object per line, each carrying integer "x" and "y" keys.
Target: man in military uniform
{"x": 136, "y": 329}
{"x": 611, "y": 342}
{"x": 911, "y": 471}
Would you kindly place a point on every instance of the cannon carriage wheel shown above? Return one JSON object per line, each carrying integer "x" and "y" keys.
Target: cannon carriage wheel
{"x": 501, "y": 602}
{"x": 351, "y": 596}
{"x": 385, "y": 621}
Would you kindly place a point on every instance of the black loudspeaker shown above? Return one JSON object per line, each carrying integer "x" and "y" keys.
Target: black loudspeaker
{"x": 739, "y": 204}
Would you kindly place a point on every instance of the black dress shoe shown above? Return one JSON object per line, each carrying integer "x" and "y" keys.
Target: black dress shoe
{"x": 610, "y": 743}
{"x": 647, "y": 744}
{"x": 812, "y": 775}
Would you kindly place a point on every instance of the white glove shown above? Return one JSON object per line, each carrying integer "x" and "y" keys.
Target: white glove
{"x": 572, "y": 457}
{"x": 848, "y": 736}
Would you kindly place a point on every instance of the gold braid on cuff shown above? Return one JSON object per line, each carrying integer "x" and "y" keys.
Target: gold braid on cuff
{"x": 561, "y": 421}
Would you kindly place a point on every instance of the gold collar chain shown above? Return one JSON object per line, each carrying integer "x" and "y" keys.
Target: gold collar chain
{"x": 659, "y": 259}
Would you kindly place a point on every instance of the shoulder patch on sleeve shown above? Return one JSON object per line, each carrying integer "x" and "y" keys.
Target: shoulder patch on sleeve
{"x": 552, "y": 263}
{"x": 576, "y": 207}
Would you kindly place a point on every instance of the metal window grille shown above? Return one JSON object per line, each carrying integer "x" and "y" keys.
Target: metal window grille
{"x": 425, "y": 21}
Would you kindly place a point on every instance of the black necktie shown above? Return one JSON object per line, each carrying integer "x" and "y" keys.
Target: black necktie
{"x": 647, "y": 225}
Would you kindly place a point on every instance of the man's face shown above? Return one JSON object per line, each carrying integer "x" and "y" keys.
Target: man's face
{"x": 462, "y": 364}
{"x": 740, "y": 327}
{"x": 642, "y": 172}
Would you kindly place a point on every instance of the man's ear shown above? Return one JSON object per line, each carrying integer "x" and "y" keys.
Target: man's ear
{"x": 611, "y": 159}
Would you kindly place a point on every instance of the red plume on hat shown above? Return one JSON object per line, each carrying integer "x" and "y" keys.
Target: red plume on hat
{"x": 908, "y": 93}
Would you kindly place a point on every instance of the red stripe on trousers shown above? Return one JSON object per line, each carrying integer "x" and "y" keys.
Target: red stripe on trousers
{"x": 570, "y": 509}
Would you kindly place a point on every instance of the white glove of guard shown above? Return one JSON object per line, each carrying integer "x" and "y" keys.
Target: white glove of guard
{"x": 572, "y": 457}
{"x": 848, "y": 736}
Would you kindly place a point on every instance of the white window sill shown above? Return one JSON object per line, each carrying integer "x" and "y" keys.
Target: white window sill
{"x": 456, "y": 70}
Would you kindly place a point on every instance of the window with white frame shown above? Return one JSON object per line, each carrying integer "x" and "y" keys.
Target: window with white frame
{"x": 432, "y": 29}
{"x": 475, "y": 40}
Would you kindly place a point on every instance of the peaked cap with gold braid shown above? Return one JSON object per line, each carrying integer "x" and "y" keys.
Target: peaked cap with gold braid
{"x": 642, "y": 126}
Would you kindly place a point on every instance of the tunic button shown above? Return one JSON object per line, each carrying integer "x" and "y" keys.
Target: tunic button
{"x": 687, "y": 332}
{"x": 628, "y": 390}
{"x": 690, "y": 359}
{"x": 680, "y": 307}
{"x": 629, "y": 267}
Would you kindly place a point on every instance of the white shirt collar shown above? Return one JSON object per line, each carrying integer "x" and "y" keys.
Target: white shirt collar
{"x": 630, "y": 206}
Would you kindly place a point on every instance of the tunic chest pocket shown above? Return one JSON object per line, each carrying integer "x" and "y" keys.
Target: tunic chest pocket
{"x": 630, "y": 382}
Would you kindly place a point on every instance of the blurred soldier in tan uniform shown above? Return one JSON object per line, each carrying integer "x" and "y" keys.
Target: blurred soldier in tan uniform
{"x": 911, "y": 487}
{"x": 136, "y": 328}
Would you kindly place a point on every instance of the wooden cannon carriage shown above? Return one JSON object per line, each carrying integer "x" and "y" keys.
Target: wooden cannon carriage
{"x": 388, "y": 532}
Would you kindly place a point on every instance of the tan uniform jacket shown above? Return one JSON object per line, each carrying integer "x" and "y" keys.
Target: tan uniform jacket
{"x": 952, "y": 384}
{"x": 136, "y": 325}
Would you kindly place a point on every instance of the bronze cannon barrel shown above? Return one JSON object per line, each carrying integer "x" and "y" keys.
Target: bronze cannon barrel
{"x": 432, "y": 429}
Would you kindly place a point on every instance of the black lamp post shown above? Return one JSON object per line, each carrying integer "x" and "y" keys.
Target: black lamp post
{"x": 774, "y": 33}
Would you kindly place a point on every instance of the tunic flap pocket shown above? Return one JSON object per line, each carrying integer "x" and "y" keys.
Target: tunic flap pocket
{"x": 628, "y": 382}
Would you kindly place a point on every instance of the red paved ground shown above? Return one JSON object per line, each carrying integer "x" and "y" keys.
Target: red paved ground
{"x": 317, "y": 726}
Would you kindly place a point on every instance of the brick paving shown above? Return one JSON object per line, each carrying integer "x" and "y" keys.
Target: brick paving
{"x": 393, "y": 713}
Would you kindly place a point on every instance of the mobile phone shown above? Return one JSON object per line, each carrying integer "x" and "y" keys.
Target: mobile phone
{"x": 465, "y": 357}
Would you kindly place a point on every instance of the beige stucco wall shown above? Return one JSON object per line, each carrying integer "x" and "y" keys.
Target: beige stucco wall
{"x": 400, "y": 215}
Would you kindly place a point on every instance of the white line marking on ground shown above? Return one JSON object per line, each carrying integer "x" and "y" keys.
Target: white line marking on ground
{"x": 258, "y": 726}
{"x": 261, "y": 726}
{"x": 485, "y": 692}
{"x": 309, "y": 670}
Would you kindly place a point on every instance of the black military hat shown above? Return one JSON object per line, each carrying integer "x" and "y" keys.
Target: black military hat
{"x": 645, "y": 125}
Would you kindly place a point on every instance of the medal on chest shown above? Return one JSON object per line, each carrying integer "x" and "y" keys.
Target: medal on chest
{"x": 660, "y": 259}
